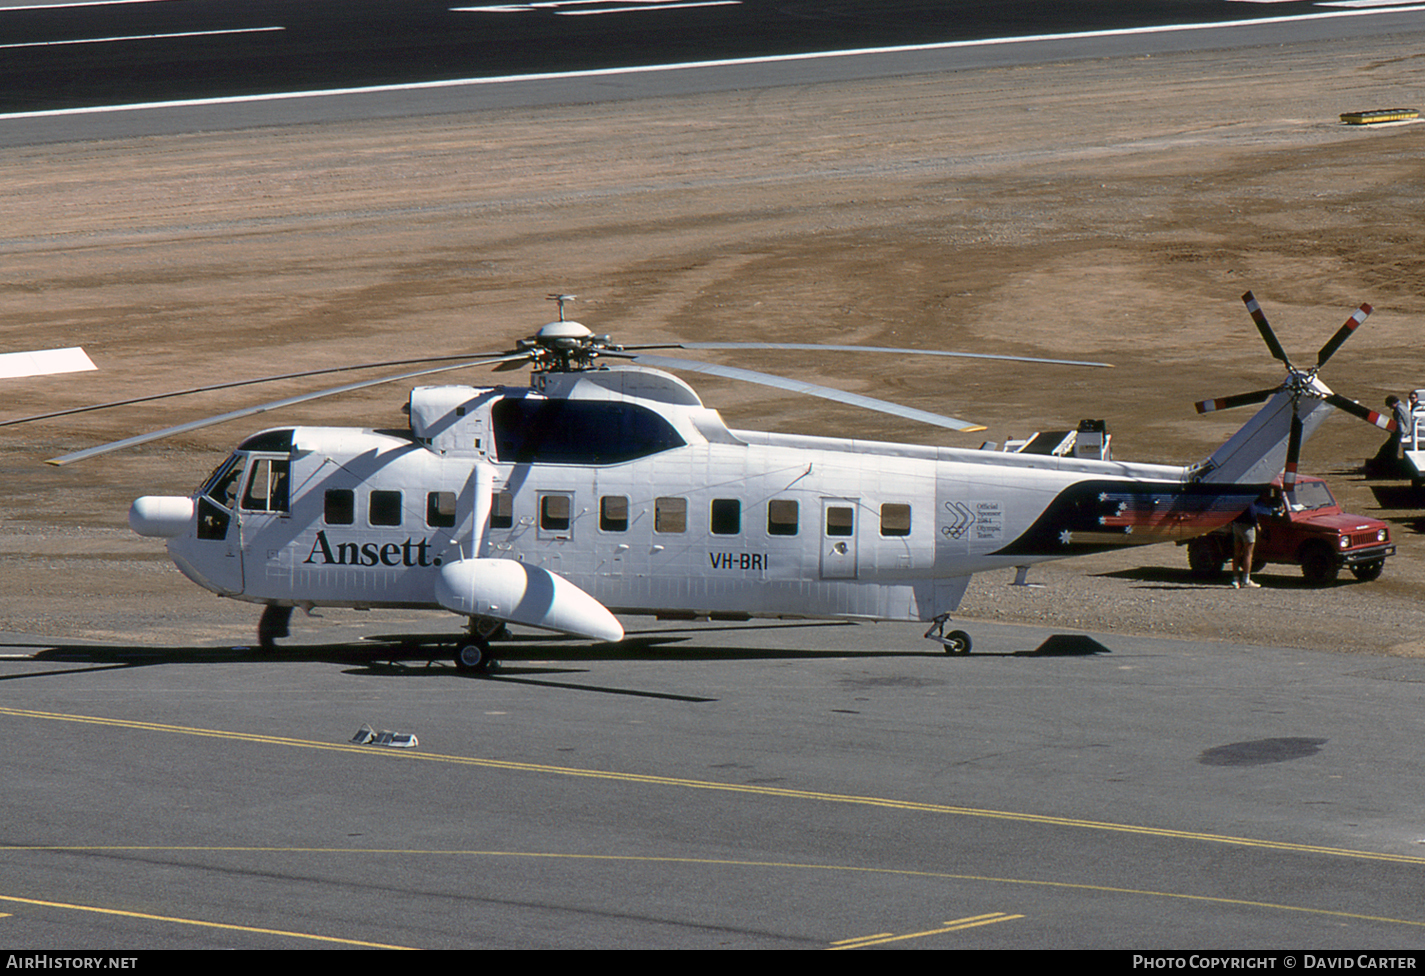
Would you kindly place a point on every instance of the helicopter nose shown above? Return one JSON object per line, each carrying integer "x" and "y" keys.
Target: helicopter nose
{"x": 161, "y": 515}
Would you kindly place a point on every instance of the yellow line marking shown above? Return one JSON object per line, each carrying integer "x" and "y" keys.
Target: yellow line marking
{"x": 721, "y": 862}
{"x": 863, "y": 938}
{"x": 193, "y": 921}
{"x": 956, "y": 926}
{"x": 772, "y": 791}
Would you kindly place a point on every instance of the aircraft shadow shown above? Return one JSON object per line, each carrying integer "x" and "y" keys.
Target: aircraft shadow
{"x": 1401, "y": 499}
{"x": 533, "y": 659}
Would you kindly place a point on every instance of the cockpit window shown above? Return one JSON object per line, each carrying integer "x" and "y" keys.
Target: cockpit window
{"x": 221, "y": 485}
{"x": 274, "y": 441}
{"x": 267, "y": 486}
{"x": 530, "y": 430}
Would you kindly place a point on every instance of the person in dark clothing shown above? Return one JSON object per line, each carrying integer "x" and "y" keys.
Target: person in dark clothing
{"x": 1386, "y": 463}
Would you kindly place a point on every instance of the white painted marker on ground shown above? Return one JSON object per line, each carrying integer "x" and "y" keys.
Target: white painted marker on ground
{"x": 40, "y": 362}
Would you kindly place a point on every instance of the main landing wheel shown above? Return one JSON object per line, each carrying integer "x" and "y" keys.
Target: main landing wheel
{"x": 475, "y": 657}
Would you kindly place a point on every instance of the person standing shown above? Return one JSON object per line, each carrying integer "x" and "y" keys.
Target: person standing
{"x": 1386, "y": 463}
{"x": 1244, "y": 542}
{"x": 1407, "y": 433}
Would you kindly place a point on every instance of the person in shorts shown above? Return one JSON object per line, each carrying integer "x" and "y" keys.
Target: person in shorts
{"x": 1244, "y": 541}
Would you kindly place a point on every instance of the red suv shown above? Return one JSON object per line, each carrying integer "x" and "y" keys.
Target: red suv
{"x": 1307, "y": 529}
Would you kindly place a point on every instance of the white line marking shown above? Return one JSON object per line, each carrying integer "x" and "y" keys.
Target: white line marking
{"x": 77, "y": 3}
{"x": 143, "y": 37}
{"x": 41, "y": 362}
{"x": 1336, "y": 3}
{"x": 651, "y": 6}
{"x": 1361, "y": 3}
{"x": 555, "y": 6}
{"x": 654, "y": 68}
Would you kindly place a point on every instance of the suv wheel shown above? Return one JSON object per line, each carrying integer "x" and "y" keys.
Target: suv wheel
{"x": 1318, "y": 564}
{"x": 1205, "y": 557}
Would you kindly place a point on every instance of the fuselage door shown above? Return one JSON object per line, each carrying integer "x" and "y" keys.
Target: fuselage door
{"x": 216, "y": 554}
{"x": 838, "y": 538}
{"x": 266, "y": 498}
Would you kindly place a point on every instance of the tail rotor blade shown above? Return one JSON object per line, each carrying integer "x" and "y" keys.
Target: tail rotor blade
{"x": 1268, "y": 336}
{"x": 1240, "y": 400}
{"x": 1342, "y": 334}
{"x": 1365, "y": 413}
{"x": 1293, "y": 453}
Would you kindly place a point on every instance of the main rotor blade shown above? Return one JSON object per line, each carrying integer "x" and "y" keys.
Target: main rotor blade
{"x": 818, "y": 347}
{"x": 1342, "y": 334}
{"x": 236, "y": 383}
{"x": 1293, "y": 453}
{"x": 1365, "y": 413}
{"x": 800, "y": 386}
{"x": 260, "y": 408}
{"x": 1268, "y": 336}
{"x": 1239, "y": 400}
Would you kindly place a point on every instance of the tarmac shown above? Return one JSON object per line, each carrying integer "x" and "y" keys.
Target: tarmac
{"x": 759, "y": 785}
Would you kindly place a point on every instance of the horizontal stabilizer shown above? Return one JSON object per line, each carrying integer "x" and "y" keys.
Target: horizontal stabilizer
{"x": 517, "y": 593}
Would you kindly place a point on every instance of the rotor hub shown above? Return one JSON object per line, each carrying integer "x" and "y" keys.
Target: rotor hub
{"x": 566, "y": 333}
{"x": 564, "y": 347}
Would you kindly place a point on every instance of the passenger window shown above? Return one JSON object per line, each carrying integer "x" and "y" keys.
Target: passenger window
{"x": 267, "y": 486}
{"x": 670, "y": 515}
{"x": 840, "y": 521}
{"x": 502, "y": 510}
{"x": 554, "y": 512}
{"x": 440, "y": 509}
{"x": 781, "y": 517}
{"x": 726, "y": 518}
{"x": 385, "y": 508}
{"x": 613, "y": 513}
{"x": 339, "y": 508}
{"x": 895, "y": 519}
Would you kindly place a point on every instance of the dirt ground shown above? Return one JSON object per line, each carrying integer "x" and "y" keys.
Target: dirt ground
{"x": 1110, "y": 210}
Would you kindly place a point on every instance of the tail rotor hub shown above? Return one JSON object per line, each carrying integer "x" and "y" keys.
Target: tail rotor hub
{"x": 1300, "y": 383}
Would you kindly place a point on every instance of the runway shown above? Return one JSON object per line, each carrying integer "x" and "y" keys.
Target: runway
{"x": 87, "y": 53}
{"x": 119, "y": 68}
{"x": 714, "y": 786}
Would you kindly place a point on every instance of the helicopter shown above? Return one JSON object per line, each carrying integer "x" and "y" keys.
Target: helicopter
{"x": 606, "y": 488}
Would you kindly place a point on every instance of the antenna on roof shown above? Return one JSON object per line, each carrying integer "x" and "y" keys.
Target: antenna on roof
{"x": 561, "y": 299}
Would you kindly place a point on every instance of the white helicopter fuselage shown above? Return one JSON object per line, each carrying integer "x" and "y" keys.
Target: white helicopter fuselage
{"x": 621, "y": 483}
{"x": 600, "y": 491}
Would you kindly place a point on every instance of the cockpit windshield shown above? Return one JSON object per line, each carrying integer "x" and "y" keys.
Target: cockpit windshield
{"x": 222, "y": 484}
